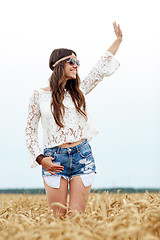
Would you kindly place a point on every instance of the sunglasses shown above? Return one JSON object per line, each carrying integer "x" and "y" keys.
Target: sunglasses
{"x": 72, "y": 61}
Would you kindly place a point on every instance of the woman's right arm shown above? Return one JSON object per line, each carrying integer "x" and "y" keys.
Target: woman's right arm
{"x": 31, "y": 129}
{"x": 31, "y": 137}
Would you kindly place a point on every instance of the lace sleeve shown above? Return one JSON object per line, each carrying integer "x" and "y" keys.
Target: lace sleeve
{"x": 106, "y": 66}
{"x": 31, "y": 129}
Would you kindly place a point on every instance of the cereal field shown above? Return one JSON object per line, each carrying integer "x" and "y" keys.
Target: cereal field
{"x": 108, "y": 216}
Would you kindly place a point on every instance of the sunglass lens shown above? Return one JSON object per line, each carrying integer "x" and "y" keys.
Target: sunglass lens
{"x": 72, "y": 61}
{"x": 78, "y": 63}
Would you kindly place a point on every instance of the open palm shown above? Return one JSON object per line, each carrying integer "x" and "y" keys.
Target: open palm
{"x": 117, "y": 30}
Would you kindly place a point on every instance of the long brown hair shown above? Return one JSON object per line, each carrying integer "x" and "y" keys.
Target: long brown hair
{"x": 58, "y": 85}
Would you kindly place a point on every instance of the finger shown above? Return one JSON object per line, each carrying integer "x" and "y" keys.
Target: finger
{"x": 52, "y": 173}
{"x": 57, "y": 170}
{"x": 58, "y": 166}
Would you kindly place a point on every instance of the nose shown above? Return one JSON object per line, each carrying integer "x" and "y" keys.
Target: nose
{"x": 75, "y": 65}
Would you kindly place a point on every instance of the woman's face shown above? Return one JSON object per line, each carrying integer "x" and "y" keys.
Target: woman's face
{"x": 70, "y": 70}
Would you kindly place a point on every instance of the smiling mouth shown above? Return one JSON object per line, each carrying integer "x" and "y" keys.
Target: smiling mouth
{"x": 73, "y": 71}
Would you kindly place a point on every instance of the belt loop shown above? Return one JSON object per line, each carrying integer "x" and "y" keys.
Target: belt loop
{"x": 77, "y": 148}
{"x": 58, "y": 149}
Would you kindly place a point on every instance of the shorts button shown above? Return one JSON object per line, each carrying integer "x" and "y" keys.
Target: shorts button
{"x": 70, "y": 150}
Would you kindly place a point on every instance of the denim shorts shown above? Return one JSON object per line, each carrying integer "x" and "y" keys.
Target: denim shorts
{"x": 77, "y": 160}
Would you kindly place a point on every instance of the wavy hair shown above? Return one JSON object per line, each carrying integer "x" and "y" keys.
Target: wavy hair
{"x": 58, "y": 85}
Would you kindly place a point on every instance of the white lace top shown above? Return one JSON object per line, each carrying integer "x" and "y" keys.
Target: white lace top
{"x": 76, "y": 127}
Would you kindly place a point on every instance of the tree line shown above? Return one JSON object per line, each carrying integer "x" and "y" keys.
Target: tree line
{"x": 98, "y": 190}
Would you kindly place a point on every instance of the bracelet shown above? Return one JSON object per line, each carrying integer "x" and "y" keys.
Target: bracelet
{"x": 39, "y": 158}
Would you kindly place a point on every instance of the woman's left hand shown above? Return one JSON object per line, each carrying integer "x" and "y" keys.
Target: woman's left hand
{"x": 117, "y": 30}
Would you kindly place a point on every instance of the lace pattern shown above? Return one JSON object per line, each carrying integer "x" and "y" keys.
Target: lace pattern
{"x": 76, "y": 126}
{"x": 31, "y": 130}
{"x": 105, "y": 67}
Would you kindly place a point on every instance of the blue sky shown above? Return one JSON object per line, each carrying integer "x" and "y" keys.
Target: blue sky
{"x": 125, "y": 106}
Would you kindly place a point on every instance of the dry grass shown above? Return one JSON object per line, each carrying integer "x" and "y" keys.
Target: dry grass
{"x": 108, "y": 216}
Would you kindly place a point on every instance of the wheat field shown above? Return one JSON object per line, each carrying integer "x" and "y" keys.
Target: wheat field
{"x": 108, "y": 216}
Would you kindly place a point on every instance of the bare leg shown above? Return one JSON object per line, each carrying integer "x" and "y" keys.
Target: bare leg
{"x": 57, "y": 195}
{"x": 78, "y": 194}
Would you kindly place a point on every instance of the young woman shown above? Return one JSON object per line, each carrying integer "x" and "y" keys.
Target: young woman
{"x": 67, "y": 156}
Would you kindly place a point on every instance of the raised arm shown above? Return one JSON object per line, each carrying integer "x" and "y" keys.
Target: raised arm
{"x": 105, "y": 66}
{"x": 114, "y": 47}
{"x": 31, "y": 129}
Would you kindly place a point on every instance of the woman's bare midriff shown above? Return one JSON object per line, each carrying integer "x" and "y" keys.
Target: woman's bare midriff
{"x": 67, "y": 145}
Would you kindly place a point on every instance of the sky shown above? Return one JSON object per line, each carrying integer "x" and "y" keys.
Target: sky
{"x": 125, "y": 106}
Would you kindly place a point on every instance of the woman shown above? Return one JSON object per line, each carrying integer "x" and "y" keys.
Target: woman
{"x": 67, "y": 127}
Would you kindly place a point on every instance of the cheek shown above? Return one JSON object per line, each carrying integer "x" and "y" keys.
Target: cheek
{"x": 67, "y": 70}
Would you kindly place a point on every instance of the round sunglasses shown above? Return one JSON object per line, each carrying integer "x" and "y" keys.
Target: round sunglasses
{"x": 72, "y": 61}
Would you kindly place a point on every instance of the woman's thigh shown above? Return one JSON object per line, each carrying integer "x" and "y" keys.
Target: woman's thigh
{"x": 57, "y": 195}
{"x": 78, "y": 194}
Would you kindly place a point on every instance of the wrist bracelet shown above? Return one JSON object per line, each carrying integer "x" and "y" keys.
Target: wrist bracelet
{"x": 39, "y": 158}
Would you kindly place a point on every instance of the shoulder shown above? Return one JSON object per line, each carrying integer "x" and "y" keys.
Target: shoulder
{"x": 46, "y": 89}
{"x": 40, "y": 91}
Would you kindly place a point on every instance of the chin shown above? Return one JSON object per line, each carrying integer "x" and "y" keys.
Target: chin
{"x": 73, "y": 77}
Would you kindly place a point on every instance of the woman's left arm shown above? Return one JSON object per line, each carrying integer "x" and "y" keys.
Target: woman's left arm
{"x": 105, "y": 66}
{"x": 114, "y": 47}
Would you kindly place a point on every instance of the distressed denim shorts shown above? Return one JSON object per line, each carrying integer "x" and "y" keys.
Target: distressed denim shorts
{"x": 77, "y": 160}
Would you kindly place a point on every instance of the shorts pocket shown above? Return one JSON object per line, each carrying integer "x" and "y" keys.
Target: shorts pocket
{"x": 53, "y": 181}
{"x": 49, "y": 153}
{"x": 85, "y": 151}
{"x": 87, "y": 179}
{"x": 45, "y": 172}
